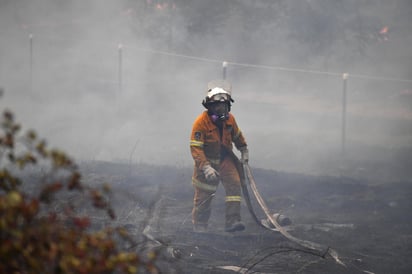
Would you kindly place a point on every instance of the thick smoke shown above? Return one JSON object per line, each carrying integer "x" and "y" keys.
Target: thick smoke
{"x": 124, "y": 80}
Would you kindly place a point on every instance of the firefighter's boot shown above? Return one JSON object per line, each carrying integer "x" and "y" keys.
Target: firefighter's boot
{"x": 233, "y": 222}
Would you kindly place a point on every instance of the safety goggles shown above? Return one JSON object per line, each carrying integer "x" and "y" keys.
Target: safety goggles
{"x": 221, "y": 97}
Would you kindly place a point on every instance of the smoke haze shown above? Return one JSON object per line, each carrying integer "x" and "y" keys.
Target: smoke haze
{"x": 124, "y": 80}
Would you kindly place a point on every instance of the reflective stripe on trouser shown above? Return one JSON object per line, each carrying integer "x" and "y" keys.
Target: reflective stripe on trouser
{"x": 233, "y": 198}
{"x": 204, "y": 193}
{"x": 204, "y": 186}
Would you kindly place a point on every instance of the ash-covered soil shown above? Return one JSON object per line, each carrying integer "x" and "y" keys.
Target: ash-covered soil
{"x": 368, "y": 224}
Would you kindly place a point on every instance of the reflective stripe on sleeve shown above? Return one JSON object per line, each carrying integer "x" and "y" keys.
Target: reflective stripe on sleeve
{"x": 233, "y": 198}
{"x": 204, "y": 186}
{"x": 196, "y": 143}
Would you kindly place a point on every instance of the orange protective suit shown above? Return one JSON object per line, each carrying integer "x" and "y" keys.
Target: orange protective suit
{"x": 209, "y": 145}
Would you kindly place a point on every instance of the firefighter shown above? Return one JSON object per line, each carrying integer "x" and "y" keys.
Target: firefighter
{"x": 211, "y": 144}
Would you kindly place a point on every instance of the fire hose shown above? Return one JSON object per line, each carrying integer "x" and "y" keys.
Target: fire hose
{"x": 321, "y": 250}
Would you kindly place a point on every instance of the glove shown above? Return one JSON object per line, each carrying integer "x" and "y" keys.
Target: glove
{"x": 244, "y": 156}
{"x": 210, "y": 173}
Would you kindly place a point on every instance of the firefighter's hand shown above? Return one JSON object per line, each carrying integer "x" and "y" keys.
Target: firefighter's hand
{"x": 210, "y": 173}
{"x": 244, "y": 156}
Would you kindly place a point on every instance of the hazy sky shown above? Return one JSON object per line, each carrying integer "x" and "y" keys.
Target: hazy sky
{"x": 124, "y": 80}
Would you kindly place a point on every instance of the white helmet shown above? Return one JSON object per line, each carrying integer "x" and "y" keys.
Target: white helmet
{"x": 218, "y": 91}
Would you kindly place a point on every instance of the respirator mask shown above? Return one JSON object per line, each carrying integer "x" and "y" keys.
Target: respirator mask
{"x": 218, "y": 111}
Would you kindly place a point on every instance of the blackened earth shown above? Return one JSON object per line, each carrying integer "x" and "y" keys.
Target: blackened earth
{"x": 368, "y": 223}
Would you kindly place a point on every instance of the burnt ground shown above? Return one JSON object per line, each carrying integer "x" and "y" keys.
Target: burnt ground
{"x": 368, "y": 224}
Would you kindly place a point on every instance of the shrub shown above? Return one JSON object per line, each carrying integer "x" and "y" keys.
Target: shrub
{"x": 35, "y": 238}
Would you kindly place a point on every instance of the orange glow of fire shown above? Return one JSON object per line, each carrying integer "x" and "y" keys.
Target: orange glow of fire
{"x": 384, "y": 30}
